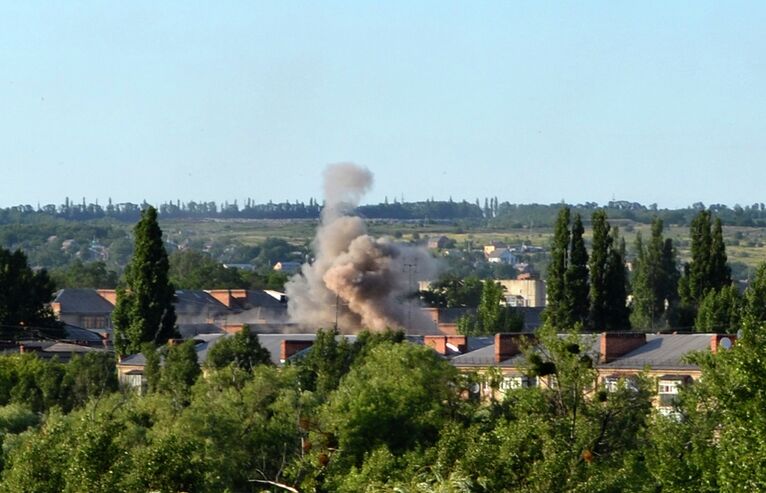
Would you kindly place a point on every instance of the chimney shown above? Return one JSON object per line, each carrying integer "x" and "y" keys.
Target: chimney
{"x": 509, "y": 345}
{"x": 437, "y": 343}
{"x": 290, "y": 347}
{"x": 22, "y": 349}
{"x": 109, "y": 295}
{"x": 459, "y": 343}
{"x": 722, "y": 341}
{"x": 615, "y": 344}
{"x": 223, "y": 296}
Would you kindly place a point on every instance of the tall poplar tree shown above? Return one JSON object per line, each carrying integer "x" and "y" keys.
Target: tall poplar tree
{"x": 556, "y": 309}
{"x": 617, "y": 310}
{"x": 144, "y": 310}
{"x": 599, "y": 257}
{"x": 608, "y": 291}
{"x": 576, "y": 277}
{"x": 655, "y": 280}
{"x": 708, "y": 269}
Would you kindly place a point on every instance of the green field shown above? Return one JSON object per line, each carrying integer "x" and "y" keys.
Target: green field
{"x": 745, "y": 245}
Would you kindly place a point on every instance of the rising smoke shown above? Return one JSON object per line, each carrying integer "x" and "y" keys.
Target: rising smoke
{"x": 358, "y": 280}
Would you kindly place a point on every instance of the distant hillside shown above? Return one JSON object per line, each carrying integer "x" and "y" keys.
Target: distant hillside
{"x": 492, "y": 213}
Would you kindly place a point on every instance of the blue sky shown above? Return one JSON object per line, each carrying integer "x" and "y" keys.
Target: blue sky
{"x": 527, "y": 101}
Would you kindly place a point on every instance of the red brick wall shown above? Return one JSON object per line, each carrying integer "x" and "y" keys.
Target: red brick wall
{"x": 615, "y": 344}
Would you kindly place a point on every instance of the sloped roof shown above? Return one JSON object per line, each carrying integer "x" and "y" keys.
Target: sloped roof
{"x": 663, "y": 351}
{"x": 82, "y": 300}
{"x": 74, "y": 333}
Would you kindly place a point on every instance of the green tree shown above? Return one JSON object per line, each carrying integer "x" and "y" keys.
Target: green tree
{"x": 492, "y": 315}
{"x": 754, "y": 309}
{"x": 642, "y": 313}
{"x": 398, "y": 397}
{"x": 608, "y": 309}
{"x": 195, "y": 270}
{"x": 708, "y": 268}
{"x": 576, "y": 277}
{"x": 180, "y": 370}
{"x": 85, "y": 275}
{"x": 243, "y": 349}
{"x": 719, "y": 311}
{"x": 24, "y": 296}
{"x": 144, "y": 311}
{"x": 557, "y": 310}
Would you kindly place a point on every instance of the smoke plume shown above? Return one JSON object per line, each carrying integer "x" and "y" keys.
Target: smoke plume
{"x": 357, "y": 280}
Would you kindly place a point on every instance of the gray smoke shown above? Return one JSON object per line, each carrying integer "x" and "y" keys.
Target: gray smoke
{"x": 360, "y": 280}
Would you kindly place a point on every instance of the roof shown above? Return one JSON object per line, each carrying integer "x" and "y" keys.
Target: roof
{"x": 74, "y": 333}
{"x": 196, "y": 306}
{"x": 81, "y": 300}
{"x": 663, "y": 351}
{"x": 484, "y": 354}
{"x": 189, "y": 331}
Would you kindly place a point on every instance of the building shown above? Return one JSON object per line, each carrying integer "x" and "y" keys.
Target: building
{"x": 524, "y": 292}
{"x": 502, "y": 256}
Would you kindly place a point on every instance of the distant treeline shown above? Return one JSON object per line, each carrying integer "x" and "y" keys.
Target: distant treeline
{"x": 491, "y": 213}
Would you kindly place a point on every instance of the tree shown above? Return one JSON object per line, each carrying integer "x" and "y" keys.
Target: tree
{"x": 492, "y": 315}
{"x": 576, "y": 277}
{"x": 617, "y": 312}
{"x": 655, "y": 279}
{"x": 719, "y": 311}
{"x": 195, "y": 270}
{"x": 395, "y": 398}
{"x": 556, "y": 311}
{"x": 144, "y": 310}
{"x": 608, "y": 309}
{"x": 243, "y": 349}
{"x": 81, "y": 275}
{"x": 708, "y": 268}
{"x": 24, "y": 296}
{"x": 754, "y": 309}
{"x": 180, "y": 370}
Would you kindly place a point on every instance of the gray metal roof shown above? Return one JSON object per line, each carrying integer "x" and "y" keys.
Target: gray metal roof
{"x": 80, "y": 300}
{"x": 663, "y": 351}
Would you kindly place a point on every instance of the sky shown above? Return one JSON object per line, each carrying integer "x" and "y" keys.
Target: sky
{"x": 654, "y": 102}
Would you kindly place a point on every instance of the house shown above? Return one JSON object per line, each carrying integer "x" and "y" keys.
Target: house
{"x": 524, "y": 292}
{"x": 619, "y": 358}
{"x": 438, "y": 243}
{"x": 287, "y": 267}
{"x": 495, "y": 245}
{"x": 85, "y": 308}
{"x": 196, "y": 310}
{"x": 502, "y": 256}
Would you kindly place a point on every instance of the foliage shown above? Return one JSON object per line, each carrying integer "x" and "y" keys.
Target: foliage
{"x": 195, "y": 270}
{"x": 144, "y": 310}
{"x": 242, "y": 350}
{"x": 453, "y": 292}
{"x": 79, "y": 274}
{"x": 608, "y": 309}
{"x": 180, "y": 370}
{"x": 576, "y": 285}
{"x": 719, "y": 311}
{"x": 557, "y": 311}
{"x": 492, "y": 315}
{"x": 24, "y": 295}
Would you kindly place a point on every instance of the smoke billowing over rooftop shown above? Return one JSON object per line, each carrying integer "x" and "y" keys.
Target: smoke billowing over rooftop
{"x": 358, "y": 280}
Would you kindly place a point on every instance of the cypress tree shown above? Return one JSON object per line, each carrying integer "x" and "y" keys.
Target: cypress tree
{"x": 144, "y": 310}
{"x": 556, "y": 309}
{"x": 576, "y": 278}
